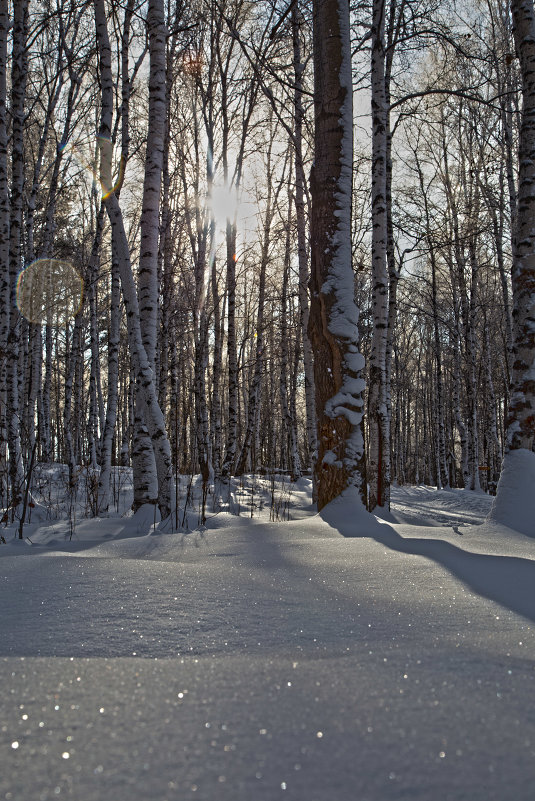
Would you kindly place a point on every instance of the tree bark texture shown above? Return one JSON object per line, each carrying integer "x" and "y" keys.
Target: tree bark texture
{"x": 333, "y": 323}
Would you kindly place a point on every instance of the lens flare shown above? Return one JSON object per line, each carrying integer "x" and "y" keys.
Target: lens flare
{"x": 50, "y": 291}
{"x": 224, "y": 203}
{"x": 104, "y": 176}
{"x": 106, "y": 161}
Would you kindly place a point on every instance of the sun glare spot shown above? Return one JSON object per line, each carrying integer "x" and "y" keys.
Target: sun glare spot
{"x": 224, "y": 203}
{"x": 102, "y": 176}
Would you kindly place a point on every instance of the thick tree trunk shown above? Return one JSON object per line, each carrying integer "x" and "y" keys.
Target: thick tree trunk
{"x": 333, "y": 323}
{"x": 515, "y": 500}
{"x": 149, "y": 235}
{"x": 143, "y": 371}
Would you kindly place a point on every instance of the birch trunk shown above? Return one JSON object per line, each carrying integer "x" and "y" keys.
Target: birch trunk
{"x": 150, "y": 214}
{"x": 215, "y": 418}
{"x": 5, "y": 296}
{"x": 113, "y": 384}
{"x": 232, "y": 355}
{"x": 110, "y": 421}
{"x": 148, "y": 257}
{"x": 333, "y": 323}
{"x": 154, "y": 418}
{"x": 515, "y": 500}
{"x": 18, "y": 93}
{"x": 302, "y": 249}
{"x": 378, "y": 468}
{"x": 471, "y": 387}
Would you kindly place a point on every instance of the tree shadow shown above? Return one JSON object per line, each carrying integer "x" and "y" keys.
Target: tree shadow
{"x": 507, "y": 580}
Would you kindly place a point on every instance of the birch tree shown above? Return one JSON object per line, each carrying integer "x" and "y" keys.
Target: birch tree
{"x": 302, "y": 249}
{"x": 18, "y": 93}
{"x": 5, "y": 295}
{"x": 378, "y": 467}
{"x": 143, "y": 455}
{"x": 515, "y": 499}
{"x": 142, "y": 367}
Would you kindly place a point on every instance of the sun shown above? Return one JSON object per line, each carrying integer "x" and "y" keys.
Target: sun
{"x": 224, "y": 203}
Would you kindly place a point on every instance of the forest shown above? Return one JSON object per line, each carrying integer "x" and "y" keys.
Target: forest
{"x": 166, "y": 237}
{"x": 267, "y": 400}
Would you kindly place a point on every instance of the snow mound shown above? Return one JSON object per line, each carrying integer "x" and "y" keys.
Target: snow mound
{"x": 348, "y": 515}
{"x": 514, "y": 505}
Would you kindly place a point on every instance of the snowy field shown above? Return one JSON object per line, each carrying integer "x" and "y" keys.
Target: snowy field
{"x": 257, "y": 660}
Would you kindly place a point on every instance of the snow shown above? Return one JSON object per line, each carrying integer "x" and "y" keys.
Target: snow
{"x": 515, "y": 498}
{"x": 271, "y": 660}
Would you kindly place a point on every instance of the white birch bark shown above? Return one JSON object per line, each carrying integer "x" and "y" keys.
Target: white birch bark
{"x": 302, "y": 248}
{"x": 150, "y": 214}
{"x": 5, "y": 295}
{"x": 333, "y": 323}
{"x": 18, "y": 92}
{"x": 154, "y": 418}
{"x": 471, "y": 386}
{"x": 110, "y": 420}
{"x": 149, "y": 235}
{"x": 232, "y": 355}
{"x": 113, "y": 384}
{"x": 515, "y": 500}
{"x": 378, "y": 468}
{"x": 45, "y": 407}
{"x": 216, "y": 426}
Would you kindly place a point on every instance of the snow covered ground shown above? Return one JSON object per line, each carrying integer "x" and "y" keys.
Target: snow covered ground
{"x": 270, "y": 660}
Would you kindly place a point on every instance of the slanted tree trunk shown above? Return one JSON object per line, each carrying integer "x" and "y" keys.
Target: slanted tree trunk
{"x": 515, "y": 500}
{"x": 110, "y": 421}
{"x": 142, "y": 367}
{"x": 333, "y": 323}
